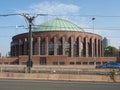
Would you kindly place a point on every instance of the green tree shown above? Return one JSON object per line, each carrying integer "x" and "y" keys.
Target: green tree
{"x": 109, "y": 51}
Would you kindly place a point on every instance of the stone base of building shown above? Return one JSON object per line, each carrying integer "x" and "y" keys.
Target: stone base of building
{"x": 59, "y": 60}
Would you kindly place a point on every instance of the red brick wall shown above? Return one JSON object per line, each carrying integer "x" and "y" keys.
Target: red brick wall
{"x": 67, "y": 60}
{"x": 50, "y": 60}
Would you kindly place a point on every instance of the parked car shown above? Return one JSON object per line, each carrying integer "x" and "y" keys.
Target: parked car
{"x": 109, "y": 65}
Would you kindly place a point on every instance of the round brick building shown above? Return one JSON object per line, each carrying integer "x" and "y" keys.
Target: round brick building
{"x": 58, "y": 41}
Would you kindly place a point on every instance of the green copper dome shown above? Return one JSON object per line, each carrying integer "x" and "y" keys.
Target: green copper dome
{"x": 58, "y": 25}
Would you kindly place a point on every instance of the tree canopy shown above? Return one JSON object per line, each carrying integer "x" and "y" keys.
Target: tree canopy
{"x": 109, "y": 50}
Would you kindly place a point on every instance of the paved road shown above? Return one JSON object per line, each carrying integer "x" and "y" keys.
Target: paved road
{"x": 55, "y": 85}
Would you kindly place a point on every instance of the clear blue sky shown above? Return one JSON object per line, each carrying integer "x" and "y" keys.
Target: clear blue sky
{"x": 71, "y": 9}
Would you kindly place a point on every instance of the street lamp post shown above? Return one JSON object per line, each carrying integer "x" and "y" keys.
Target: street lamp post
{"x": 93, "y": 38}
{"x": 94, "y": 42}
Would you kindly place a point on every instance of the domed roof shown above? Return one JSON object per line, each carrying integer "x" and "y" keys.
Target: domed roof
{"x": 58, "y": 24}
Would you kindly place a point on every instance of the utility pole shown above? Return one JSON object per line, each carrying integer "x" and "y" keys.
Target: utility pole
{"x": 30, "y": 49}
{"x": 30, "y": 20}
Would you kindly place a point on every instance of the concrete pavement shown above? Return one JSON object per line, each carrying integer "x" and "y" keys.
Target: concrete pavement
{"x": 55, "y": 85}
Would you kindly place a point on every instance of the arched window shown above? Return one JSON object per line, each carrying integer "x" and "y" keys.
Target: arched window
{"x": 51, "y": 48}
{"x": 90, "y": 48}
{"x": 76, "y": 49}
{"x": 35, "y": 48}
{"x": 42, "y": 47}
{"x": 67, "y": 49}
{"x": 84, "y": 47}
{"x": 59, "y": 48}
{"x": 95, "y": 46}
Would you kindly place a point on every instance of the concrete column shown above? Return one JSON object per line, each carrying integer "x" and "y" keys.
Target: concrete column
{"x": 96, "y": 47}
{"x": 55, "y": 46}
{"x": 99, "y": 48}
{"x": 79, "y": 46}
{"x": 86, "y": 47}
{"x": 38, "y": 46}
{"x": 63, "y": 46}
{"x": 46, "y": 48}
{"x": 93, "y": 47}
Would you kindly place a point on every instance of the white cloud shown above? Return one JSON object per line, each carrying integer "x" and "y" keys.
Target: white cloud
{"x": 54, "y": 8}
{"x": 69, "y": 12}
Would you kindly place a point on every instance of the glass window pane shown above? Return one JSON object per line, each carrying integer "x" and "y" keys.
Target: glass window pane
{"x": 42, "y": 47}
{"x": 51, "y": 48}
{"x": 35, "y": 48}
{"x": 76, "y": 49}
{"x": 67, "y": 49}
{"x": 59, "y": 48}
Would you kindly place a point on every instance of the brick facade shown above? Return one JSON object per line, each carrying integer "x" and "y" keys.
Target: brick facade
{"x": 91, "y": 47}
{"x": 75, "y": 46}
{"x": 59, "y": 42}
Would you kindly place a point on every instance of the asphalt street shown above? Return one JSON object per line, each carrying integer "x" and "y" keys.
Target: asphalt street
{"x": 55, "y": 85}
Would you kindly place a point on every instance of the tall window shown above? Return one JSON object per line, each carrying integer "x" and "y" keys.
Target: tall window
{"x": 59, "y": 48}
{"x": 67, "y": 49}
{"x": 90, "y": 48}
{"x": 51, "y": 48}
{"x": 76, "y": 49}
{"x": 35, "y": 48}
{"x": 42, "y": 47}
{"x": 84, "y": 47}
{"x": 95, "y": 46}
